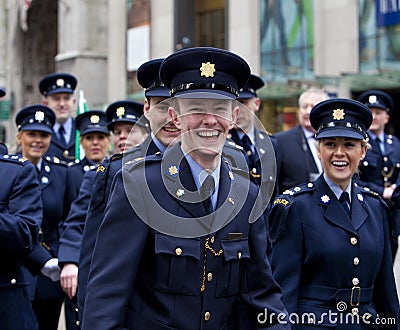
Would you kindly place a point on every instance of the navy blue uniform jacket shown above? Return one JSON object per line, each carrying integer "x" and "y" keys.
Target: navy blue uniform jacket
{"x": 53, "y": 184}
{"x": 296, "y": 161}
{"x": 154, "y": 281}
{"x": 57, "y": 149}
{"x": 319, "y": 255}
{"x": 20, "y": 219}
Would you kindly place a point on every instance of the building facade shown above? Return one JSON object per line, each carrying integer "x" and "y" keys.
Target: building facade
{"x": 343, "y": 46}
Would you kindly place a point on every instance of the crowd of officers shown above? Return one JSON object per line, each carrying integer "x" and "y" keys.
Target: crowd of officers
{"x": 81, "y": 231}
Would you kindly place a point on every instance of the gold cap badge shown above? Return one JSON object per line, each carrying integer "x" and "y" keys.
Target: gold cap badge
{"x": 338, "y": 114}
{"x": 60, "y": 82}
{"x": 207, "y": 69}
{"x": 39, "y": 115}
{"x": 94, "y": 119}
{"x": 120, "y": 112}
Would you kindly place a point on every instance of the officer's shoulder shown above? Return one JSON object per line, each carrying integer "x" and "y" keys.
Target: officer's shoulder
{"x": 366, "y": 191}
{"x": 229, "y": 144}
{"x": 140, "y": 161}
{"x": 16, "y": 159}
{"x": 392, "y": 139}
{"x": 56, "y": 161}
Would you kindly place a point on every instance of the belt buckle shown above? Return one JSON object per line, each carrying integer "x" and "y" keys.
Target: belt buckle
{"x": 355, "y": 292}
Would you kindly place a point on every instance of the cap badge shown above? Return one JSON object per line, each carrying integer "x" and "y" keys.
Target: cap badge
{"x": 94, "y": 119}
{"x": 207, "y": 69}
{"x": 120, "y": 112}
{"x": 173, "y": 170}
{"x": 60, "y": 82}
{"x": 372, "y": 99}
{"x": 39, "y": 116}
{"x": 338, "y": 114}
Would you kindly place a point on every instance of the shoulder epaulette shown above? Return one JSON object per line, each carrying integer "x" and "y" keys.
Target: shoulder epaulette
{"x": 148, "y": 159}
{"x": 300, "y": 189}
{"x": 14, "y": 158}
{"x": 234, "y": 145}
{"x": 116, "y": 156}
{"x": 55, "y": 160}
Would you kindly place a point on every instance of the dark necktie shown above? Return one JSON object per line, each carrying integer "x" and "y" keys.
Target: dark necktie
{"x": 345, "y": 201}
{"x": 249, "y": 151}
{"x": 378, "y": 145}
{"x": 61, "y": 132}
{"x": 206, "y": 190}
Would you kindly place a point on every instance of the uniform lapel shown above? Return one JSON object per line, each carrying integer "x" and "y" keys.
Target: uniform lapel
{"x": 334, "y": 212}
{"x": 358, "y": 213}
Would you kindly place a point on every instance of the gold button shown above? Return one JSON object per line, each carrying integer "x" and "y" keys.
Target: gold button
{"x": 207, "y": 316}
{"x": 209, "y": 277}
{"x": 356, "y": 261}
{"x": 178, "y": 251}
{"x": 212, "y": 239}
{"x": 353, "y": 241}
{"x": 355, "y": 281}
{"x": 13, "y": 281}
{"x": 385, "y": 159}
{"x": 239, "y": 255}
{"x": 354, "y": 310}
{"x": 385, "y": 168}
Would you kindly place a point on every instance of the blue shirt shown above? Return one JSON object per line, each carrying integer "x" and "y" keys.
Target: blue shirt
{"x": 200, "y": 174}
{"x": 336, "y": 189}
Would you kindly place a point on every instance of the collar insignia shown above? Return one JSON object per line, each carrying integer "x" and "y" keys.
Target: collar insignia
{"x": 360, "y": 197}
{"x": 173, "y": 170}
{"x": 338, "y": 114}
{"x": 180, "y": 193}
{"x": 207, "y": 69}
{"x": 325, "y": 199}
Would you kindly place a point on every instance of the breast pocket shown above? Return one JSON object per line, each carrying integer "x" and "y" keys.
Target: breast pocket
{"x": 236, "y": 252}
{"x": 177, "y": 264}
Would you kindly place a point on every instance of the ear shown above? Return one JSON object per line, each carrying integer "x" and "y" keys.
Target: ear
{"x": 174, "y": 117}
{"x": 235, "y": 114}
{"x": 257, "y": 101}
{"x": 363, "y": 152}
{"x": 45, "y": 101}
{"x": 146, "y": 108}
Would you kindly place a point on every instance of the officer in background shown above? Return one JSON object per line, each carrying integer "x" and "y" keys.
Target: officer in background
{"x": 161, "y": 280}
{"x": 380, "y": 168}
{"x": 122, "y": 116}
{"x": 331, "y": 252}
{"x": 34, "y": 124}
{"x": 58, "y": 94}
{"x": 126, "y": 122}
{"x": 20, "y": 220}
{"x": 163, "y": 133}
{"x": 95, "y": 141}
{"x": 298, "y": 160}
{"x": 260, "y": 148}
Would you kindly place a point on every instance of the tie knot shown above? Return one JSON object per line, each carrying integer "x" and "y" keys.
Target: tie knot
{"x": 344, "y": 197}
{"x": 61, "y": 129}
{"x": 208, "y": 186}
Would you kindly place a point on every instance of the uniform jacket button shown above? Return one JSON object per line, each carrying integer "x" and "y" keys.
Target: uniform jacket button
{"x": 13, "y": 281}
{"x": 356, "y": 261}
{"x": 355, "y": 281}
{"x": 353, "y": 241}
{"x": 209, "y": 277}
{"x": 207, "y": 316}
{"x": 178, "y": 251}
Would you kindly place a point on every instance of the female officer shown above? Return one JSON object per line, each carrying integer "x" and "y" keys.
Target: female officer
{"x": 35, "y": 124}
{"x": 330, "y": 255}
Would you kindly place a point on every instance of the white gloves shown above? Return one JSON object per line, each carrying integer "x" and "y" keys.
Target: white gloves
{"x": 51, "y": 270}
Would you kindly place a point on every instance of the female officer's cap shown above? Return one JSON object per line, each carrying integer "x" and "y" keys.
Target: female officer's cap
{"x": 341, "y": 118}
{"x": 35, "y": 117}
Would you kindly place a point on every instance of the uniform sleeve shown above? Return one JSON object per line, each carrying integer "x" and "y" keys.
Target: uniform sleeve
{"x": 385, "y": 293}
{"x": 261, "y": 293}
{"x": 22, "y": 216}
{"x": 72, "y": 233}
{"x": 117, "y": 253}
{"x": 287, "y": 250}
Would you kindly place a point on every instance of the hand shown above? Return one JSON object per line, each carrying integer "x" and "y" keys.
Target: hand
{"x": 69, "y": 279}
{"x": 388, "y": 192}
{"x": 51, "y": 269}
